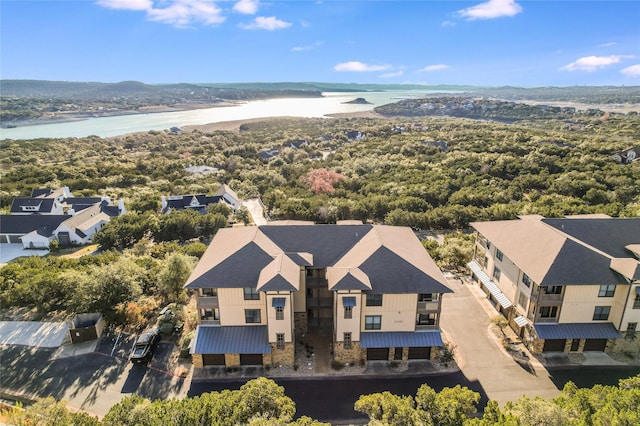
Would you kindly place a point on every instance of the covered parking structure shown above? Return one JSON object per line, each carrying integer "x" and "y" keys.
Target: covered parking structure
{"x": 401, "y": 345}
{"x": 230, "y": 346}
{"x": 575, "y": 337}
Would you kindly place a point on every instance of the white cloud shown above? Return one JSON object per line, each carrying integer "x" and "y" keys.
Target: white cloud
{"x": 246, "y": 7}
{"x": 355, "y": 66}
{"x": 591, "y": 63}
{"x": 448, "y": 24}
{"x": 126, "y": 4}
{"x": 491, "y": 9}
{"x": 179, "y": 13}
{"x": 269, "y": 23}
{"x": 611, "y": 43}
{"x": 632, "y": 71}
{"x": 436, "y": 67}
{"x": 398, "y": 73}
{"x": 307, "y": 47}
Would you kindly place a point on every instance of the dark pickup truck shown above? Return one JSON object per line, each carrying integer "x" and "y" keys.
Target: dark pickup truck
{"x": 146, "y": 342}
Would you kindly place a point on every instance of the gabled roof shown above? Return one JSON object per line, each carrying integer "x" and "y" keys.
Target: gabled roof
{"x": 381, "y": 259}
{"x": 569, "y": 251}
{"x": 224, "y": 189}
{"x": 191, "y": 201}
{"x": 23, "y": 224}
{"x": 44, "y": 204}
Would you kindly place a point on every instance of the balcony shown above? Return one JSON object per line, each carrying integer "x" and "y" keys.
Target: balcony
{"x": 426, "y": 327}
{"x": 550, "y": 298}
{"x": 430, "y": 306}
{"x": 208, "y": 301}
{"x": 209, "y": 321}
{"x": 550, "y": 319}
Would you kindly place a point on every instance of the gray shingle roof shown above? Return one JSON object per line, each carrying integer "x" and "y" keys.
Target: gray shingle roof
{"x": 231, "y": 340}
{"x": 585, "y": 330}
{"x": 23, "y": 224}
{"x": 400, "y": 339}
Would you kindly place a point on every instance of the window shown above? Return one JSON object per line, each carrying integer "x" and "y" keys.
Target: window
{"x": 601, "y": 313}
{"x": 374, "y": 300}
{"x": 526, "y": 280}
{"x": 309, "y": 272}
{"x": 426, "y": 319}
{"x": 372, "y": 322}
{"x": 499, "y": 255}
{"x": 631, "y": 331}
{"x": 208, "y": 314}
{"x": 607, "y": 290}
{"x": 279, "y": 313}
{"x": 496, "y": 273}
{"x": 251, "y": 294}
{"x": 548, "y": 311}
{"x": 555, "y": 289}
{"x": 210, "y": 292}
{"x": 522, "y": 300}
{"x": 347, "y": 340}
{"x": 486, "y": 262}
{"x": 280, "y": 341}
{"x": 348, "y": 312}
{"x": 427, "y": 297}
{"x": 252, "y": 316}
{"x": 636, "y": 301}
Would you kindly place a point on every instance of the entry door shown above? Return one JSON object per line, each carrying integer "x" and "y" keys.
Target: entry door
{"x": 575, "y": 344}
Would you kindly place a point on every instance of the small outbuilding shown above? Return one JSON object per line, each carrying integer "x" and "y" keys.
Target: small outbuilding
{"x": 85, "y": 327}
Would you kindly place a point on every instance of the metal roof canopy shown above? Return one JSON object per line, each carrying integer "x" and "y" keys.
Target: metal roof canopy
{"x": 278, "y": 302}
{"x": 400, "y": 339}
{"x": 231, "y": 340}
{"x": 491, "y": 286}
{"x": 349, "y": 301}
{"x": 584, "y": 330}
{"x": 521, "y": 321}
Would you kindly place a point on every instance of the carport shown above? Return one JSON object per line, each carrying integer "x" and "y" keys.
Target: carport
{"x": 34, "y": 333}
{"x": 595, "y": 335}
{"x": 212, "y": 342}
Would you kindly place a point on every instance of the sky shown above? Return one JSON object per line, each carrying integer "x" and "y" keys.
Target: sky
{"x": 490, "y": 43}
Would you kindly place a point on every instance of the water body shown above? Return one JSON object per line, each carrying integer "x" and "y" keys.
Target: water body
{"x": 331, "y": 103}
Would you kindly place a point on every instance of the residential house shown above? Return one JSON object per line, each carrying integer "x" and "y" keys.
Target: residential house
{"x": 354, "y": 135}
{"x": 201, "y": 170}
{"x": 627, "y": 156}
{"x": 56, "y": 215}
{"x": 199, "y": 202}
{"x": 296, "y": 144}
{"x": 568, "y": 285}
{"x": 268, "y": 153}
{"x": 373, "y": 287}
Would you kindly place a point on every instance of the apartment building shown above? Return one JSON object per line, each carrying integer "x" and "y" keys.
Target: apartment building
{"x": 374, "y": 287}
{"x": 568, "y": 285}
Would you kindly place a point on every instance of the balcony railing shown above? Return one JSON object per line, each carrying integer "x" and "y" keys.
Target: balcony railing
{"x": 430, "y": 306}
{"x": 209, "y": 321}
{"x": 426, "y": 327}
{"x": 552, "y": 319}
{"x": 207, "y": 301}
{"x": 544, "y": 297}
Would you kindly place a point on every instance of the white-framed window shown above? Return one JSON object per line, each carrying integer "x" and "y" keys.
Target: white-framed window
{"x": 496, "y": 273}
{"x": 526, "y": 280}
{"x": 548, "y": 311}
{"x": 347, "y": 340}
{"x": 279, "y": 313}
{"x": 348, "y": 312}
{"x": 280, "y": 341}
{"x": 209, "y": 292}
{"x": 208, "y": 314}
{"x": 499, "y": 255}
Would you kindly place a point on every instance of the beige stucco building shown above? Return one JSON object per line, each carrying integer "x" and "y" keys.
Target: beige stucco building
{"x": 570, "y": 284}
{"x": 375, "y": 288}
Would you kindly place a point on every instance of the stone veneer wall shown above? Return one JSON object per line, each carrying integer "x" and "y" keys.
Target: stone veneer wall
{"x": 286, "y": 356}
{"x": 196, "y": 359}
{"x": 435, "y": 353}
{"x": 301, "y": 323}
{"x": 624, "y": 344}
{"x": 232, "y": 360}
{"x": 353, "y": 355}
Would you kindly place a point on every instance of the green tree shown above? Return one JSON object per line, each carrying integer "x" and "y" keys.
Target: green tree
{"x": 49, "y": 412}
{"x": 387, "y": 408}
{"x": 176, "y": 270}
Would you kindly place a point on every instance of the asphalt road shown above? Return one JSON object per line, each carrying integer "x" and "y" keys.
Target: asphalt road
{"x": 332, "y": 399}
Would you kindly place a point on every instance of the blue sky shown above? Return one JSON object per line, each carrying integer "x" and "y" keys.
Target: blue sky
{"x": 493, "y": 43}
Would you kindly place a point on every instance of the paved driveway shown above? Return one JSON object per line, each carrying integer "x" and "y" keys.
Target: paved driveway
{"x": 465, "y": 321}
{"x": 11, "y": 251}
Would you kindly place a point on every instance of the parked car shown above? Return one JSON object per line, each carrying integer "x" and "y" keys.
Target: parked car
{"x": 144, "y": 346}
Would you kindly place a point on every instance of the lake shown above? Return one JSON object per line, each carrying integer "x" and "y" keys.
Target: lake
{"x": 331, "y": 103}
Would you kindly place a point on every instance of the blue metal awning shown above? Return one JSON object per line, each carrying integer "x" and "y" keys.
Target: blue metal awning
{"x": 231, "y": 340}
{"x": 349, "y": 301}
{"x": 638, "y": 290}
{"x": 400, "y": 339}
{"x": 490, "y": 285}
{"x": 278, "y": 302}
{"x": 584, "y": 330}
